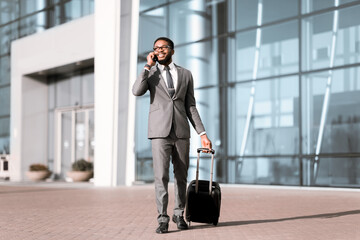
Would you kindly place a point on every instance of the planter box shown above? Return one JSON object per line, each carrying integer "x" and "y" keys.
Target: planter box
{"x": 38, "y": 175}
{"x": 80, "y": 176}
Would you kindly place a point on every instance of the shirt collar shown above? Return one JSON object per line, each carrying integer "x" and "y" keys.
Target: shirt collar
{"x": 171, "y": 65}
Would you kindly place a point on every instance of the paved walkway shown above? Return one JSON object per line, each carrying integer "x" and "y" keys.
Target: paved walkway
{"x": 52, "y": 211}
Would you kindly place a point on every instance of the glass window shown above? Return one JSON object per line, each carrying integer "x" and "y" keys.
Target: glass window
{"x": 202, "y": 60}
{"x": 152, "y": 25}
{"x": 143, "y": 146}
{"x": 9, "y": 11}
{"x": 8, "y": 33}
{"x": 33, "y": 24}
{"x": 146, "y": 4}
{"x": 247, "y": 11}
{"x": 315, "y": 5}
{"x": 4, "y": 70}
{"x": 31, "y": 6}
{"x": 337, "y": 94}
{"x": 189, "y": 21}
{"x": 278, "y": 51}
{"x": 87, "y": 88}
{"x": 5, "y": 101}
{"x": 207, "y": 103}
{"x": 270, "y": 126}
{"x": 280, "y": 171}
{"x": 318, "y": 40}
{"x": 337, "y": 172}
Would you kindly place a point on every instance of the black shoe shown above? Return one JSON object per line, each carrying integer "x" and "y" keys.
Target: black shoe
{"x": 180, "y": 222}
{"x": 163, "y": 227}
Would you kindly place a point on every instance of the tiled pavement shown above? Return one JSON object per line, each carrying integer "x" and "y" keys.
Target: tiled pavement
{"x": 64, "y": 211}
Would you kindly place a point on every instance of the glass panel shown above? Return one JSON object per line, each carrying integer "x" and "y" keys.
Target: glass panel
{"x": 247, "y": 11}
{"x": 5, "y": 143}
{"x": 91, "y": 143}
{"x": 341, "y": 123}
{"x": 33, "y": 24}
{"x": 195, "y": 19}
{"x": 146, "y": 4}
{"x": 189, "y": 21}
{"x": 87, "y": 88}
{"x": 8, "y": 33}
{"x": 80, "y": 136}
{"x": 318, "y": 40}
{"x": 66, "y": 127}
{"x": 280, "y": 171}
{"x": 152, "y": 24}
{"x": 202, "y": 60}
{"x": 4, "y": 128}
{"x": 9, "y": 11}
{"x": 315, "y": 5}
{"x": 273, "y": 126}
{"x": 4, "y": 70}
{"x": 31, "y": 6}
{"x": 339, "y": 172}
{"x": 278, "y": 51}
{"x": 207, "y": 103}
{"x": 142, "y": 143}
{"x": 5, "y": 101}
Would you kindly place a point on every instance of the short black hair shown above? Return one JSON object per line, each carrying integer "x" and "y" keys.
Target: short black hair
{"x": 168, "y": 40}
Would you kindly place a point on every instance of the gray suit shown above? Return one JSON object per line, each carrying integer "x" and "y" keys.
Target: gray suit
{"x": 169, "y": 131}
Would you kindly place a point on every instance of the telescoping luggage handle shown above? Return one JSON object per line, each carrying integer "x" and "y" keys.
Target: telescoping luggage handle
{"x": 209, "y": 150}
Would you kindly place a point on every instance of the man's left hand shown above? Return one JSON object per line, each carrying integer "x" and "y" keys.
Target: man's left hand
{"x": 205, "y": 142}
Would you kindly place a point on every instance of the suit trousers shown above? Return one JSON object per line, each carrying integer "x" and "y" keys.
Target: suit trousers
{"x": 178, "y": 149}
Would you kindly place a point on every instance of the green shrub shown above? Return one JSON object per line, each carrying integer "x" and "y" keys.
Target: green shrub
{"x": 82, "y": 165}
{"x": 38, "y": 167}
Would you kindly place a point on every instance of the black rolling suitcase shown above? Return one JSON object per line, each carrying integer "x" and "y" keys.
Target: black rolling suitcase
{"x": 203, "y": 197}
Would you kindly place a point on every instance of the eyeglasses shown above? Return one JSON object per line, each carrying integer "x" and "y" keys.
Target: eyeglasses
{"x": 161, "y": 48}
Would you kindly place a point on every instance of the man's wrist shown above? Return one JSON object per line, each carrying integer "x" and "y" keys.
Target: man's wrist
{"x": 147, "y": 66}
{"x": 202, "y": 133}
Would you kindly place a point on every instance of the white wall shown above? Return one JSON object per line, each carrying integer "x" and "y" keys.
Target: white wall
{"x": 58, "y": 46}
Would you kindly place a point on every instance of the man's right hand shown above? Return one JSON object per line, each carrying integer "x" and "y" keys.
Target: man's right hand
{"x": 150, "y": 60}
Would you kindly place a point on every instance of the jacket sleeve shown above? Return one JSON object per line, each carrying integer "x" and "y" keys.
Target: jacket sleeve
{"x": 191, "y": 110}
{"x": 141, "y": 85}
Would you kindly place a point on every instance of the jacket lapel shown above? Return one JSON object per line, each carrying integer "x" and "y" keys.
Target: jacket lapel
{"x": 179, "y": 79}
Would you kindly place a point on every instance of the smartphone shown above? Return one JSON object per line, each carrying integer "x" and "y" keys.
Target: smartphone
{"x": 155, "y": 59}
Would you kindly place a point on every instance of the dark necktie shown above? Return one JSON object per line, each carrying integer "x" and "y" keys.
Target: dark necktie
{"x": 170, "y": 82}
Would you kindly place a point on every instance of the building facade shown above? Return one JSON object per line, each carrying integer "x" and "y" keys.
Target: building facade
{"x": 276, "y": 81}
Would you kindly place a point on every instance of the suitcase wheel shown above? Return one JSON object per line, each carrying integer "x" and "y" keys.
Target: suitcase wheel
{"x": 216, "y": 222}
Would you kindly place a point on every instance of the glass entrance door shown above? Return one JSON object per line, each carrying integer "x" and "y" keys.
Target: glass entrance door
{"x": 74, "y": 138}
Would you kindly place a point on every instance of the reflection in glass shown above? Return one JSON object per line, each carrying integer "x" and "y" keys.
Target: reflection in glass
{"x": 317, "y": 37}
{"x": 9, "y": 11}
{"x": 280, "y": 171}
{"x": 342, "y": 125}
{"x": 4, "y": 70}
{"x": 333, "y": 172}
{"x": 8, "y": 33}
{"x": 31, "y": 6}
{"x": 278, "y": 52}
{"x": 152, "y": 24}
{"x": 5, "y": 101}
{"x": 247, "y": 11}
{"x": 273, "y": 127}
{"x": 316, "y": 5}
{"x": 33, "y": 24}
{"x": 201, "y": 59}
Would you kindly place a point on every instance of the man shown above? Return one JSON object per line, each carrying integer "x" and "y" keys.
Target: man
{"x": 172, "y": 104}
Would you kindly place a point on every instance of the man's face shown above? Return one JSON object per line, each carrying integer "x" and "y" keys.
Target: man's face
{"x": 163, "y": 52}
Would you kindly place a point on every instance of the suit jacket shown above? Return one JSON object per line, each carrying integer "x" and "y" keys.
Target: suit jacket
{"x": 166, "y": 111}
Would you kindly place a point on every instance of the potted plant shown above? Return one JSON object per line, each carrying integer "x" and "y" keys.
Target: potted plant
{"x": 82, "y": 170}
{"x": 38, "y": 172}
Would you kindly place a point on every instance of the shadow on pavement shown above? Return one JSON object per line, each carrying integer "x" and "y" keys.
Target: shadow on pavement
{"x": 239, "y": 223}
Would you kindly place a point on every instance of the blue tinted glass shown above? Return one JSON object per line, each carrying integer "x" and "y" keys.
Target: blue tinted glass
{"x": 338, "y": 94}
